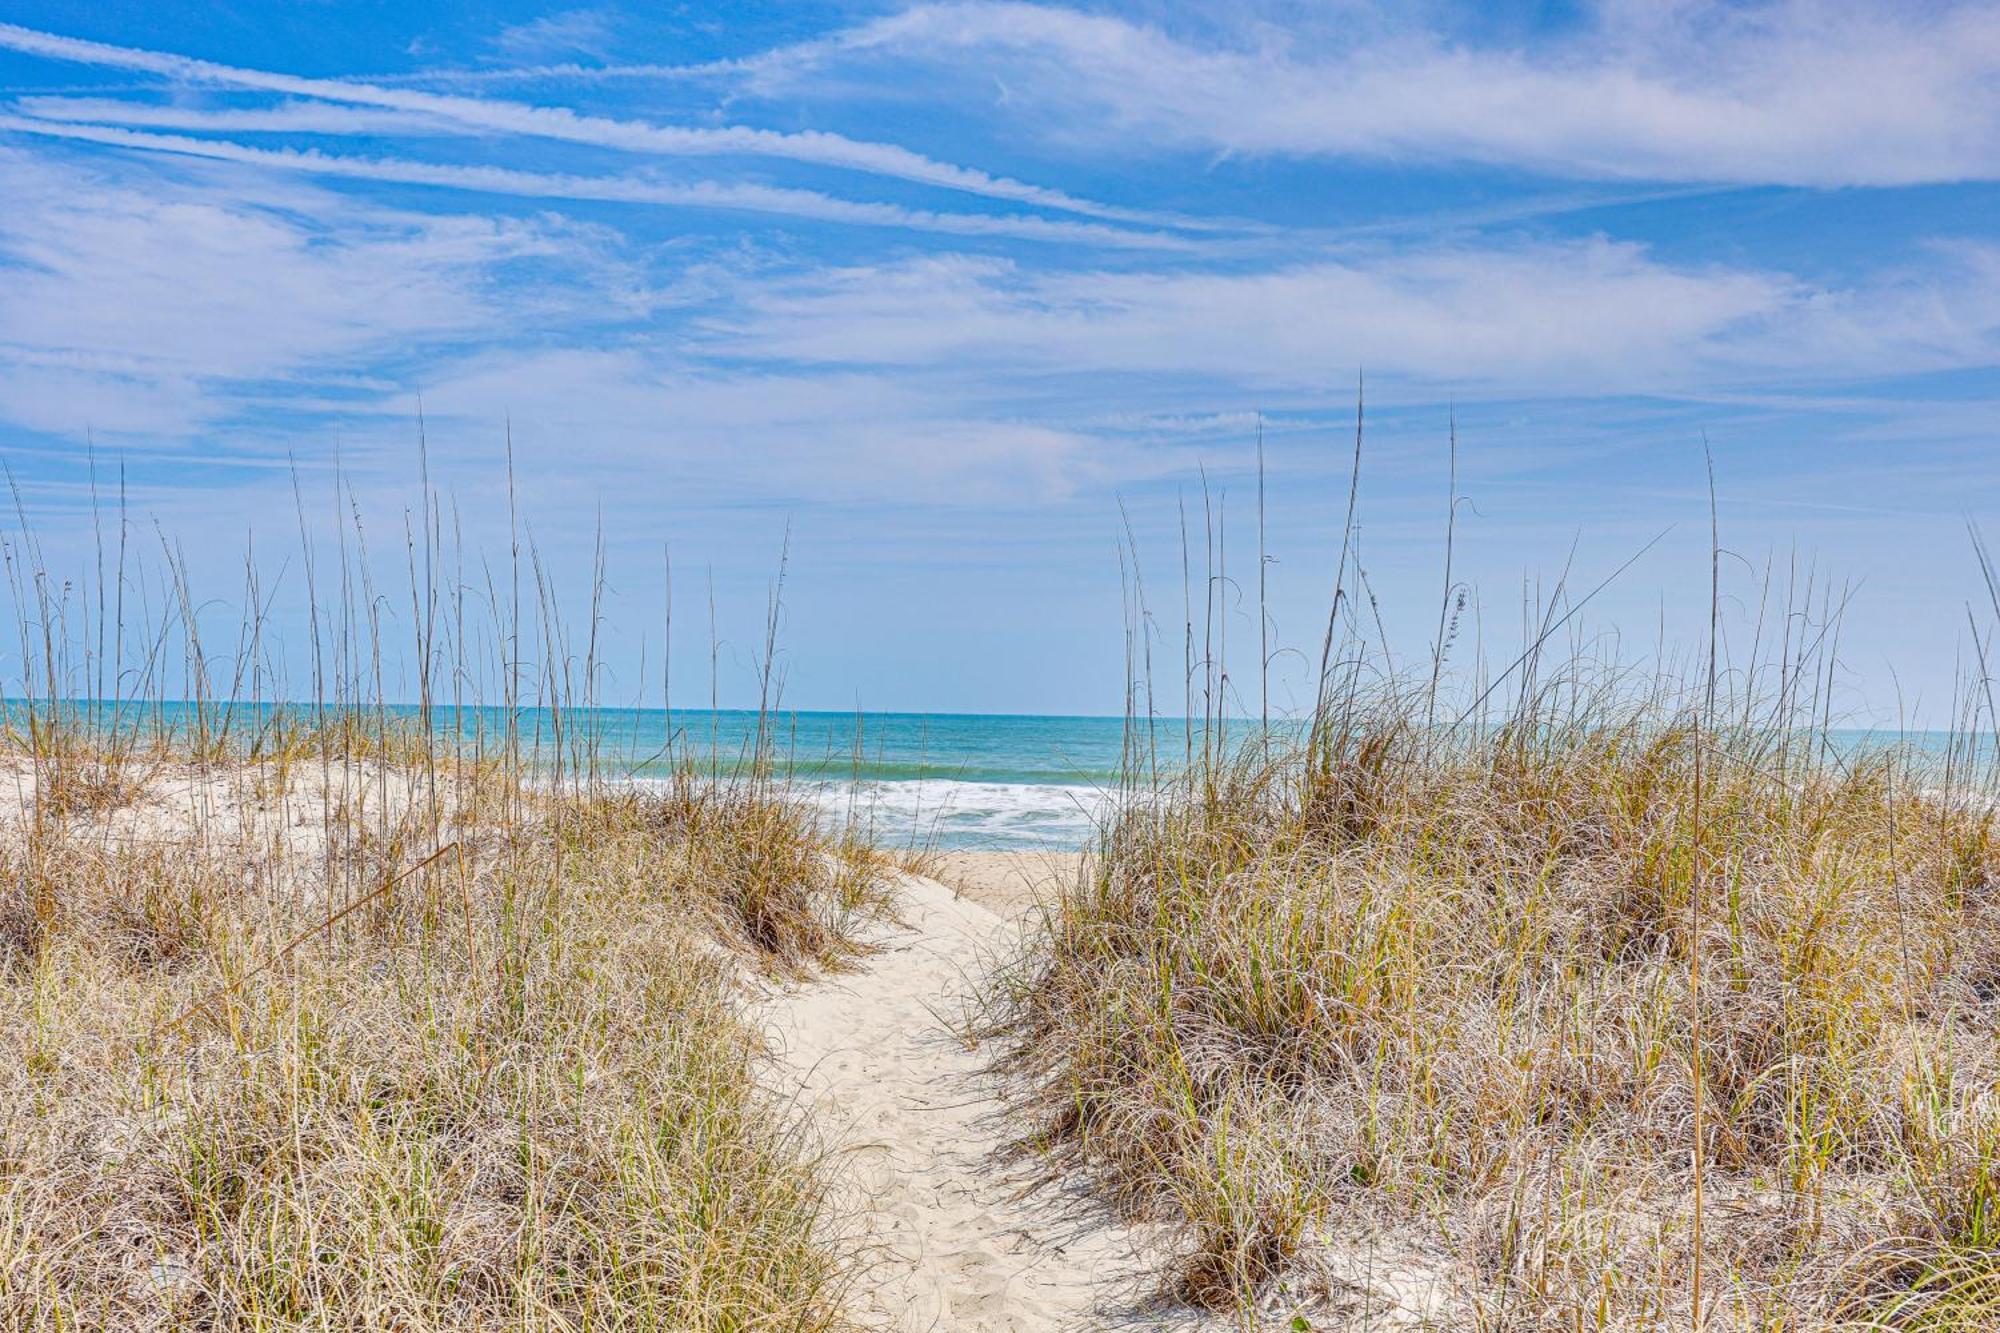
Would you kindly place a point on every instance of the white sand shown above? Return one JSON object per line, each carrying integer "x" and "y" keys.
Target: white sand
{"x": 965, "y": 1241}
{"x": 963, "y": 1237}
{"x": 1009, "y": 882}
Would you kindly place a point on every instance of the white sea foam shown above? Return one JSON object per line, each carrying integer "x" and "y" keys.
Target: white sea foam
{"x": 968, "y": 814}
{"x": 950, "y": 814}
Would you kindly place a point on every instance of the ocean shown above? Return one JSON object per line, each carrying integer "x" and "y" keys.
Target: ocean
{"x": 954, "y": 780}
{"x": 946, "y": 780}
{"x": 950, "y": 780}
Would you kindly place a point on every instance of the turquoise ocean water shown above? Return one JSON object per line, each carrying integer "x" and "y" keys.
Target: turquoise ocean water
{"x": 949, "y": 780}
{"x": 953, "y": 780}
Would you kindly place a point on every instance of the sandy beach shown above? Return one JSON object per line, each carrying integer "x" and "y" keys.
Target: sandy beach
{"x": 1009, "y": 883}
{"x": 960, "y": 1233}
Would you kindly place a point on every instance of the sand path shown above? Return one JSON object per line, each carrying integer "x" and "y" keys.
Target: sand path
{"x": 963, "y": 1241}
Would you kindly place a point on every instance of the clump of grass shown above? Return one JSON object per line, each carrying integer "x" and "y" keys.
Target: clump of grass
{"x": 754, "y": 856}
{"x": 342, "y": 1014}
{"x": 1432, "y": 990}
{"x": 512, "y": 1089}
{"x": 76, "y": 772}
{"x": 1447, "y": 981}
{"x": 1609, "y": 1001}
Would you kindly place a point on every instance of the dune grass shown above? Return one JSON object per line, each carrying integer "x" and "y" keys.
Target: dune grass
{"x": 335, "y": 1015}
{"x": 1573, "y": 994}
{"x": 769, "y": 876}
{"x": 286, "y": 1058}
{"x": 1435, "y": 997}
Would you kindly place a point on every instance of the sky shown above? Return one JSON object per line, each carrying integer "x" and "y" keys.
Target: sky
{"x": 943, "y": 303}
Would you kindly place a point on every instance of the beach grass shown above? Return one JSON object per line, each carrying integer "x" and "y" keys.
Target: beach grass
{"x": 335, "y": 1014}
{"x": 1576, "y": 995}
{"x": 1438, "y": 1000}
{"x": 1571, "y": 995}
{"x": 329, "y": 1054}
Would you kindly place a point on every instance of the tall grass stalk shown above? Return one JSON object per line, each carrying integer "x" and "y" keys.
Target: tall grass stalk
{"x": 1580, "y": 993}
{"x": 325, "y": 1013}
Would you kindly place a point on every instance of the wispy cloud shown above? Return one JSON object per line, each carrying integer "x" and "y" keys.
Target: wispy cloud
{"x": 141, "y": 305}
{"x": 561, "y": 123}
{"x": 1798, "y": 92}
{"x": 286, "y": 117}
{"x": 734, "y": 434}
{"x": 569, "y": 32}
{"x": 777, "y": 200}
{"x": 173, "y": 316}
{"x": 1591, "y": 316}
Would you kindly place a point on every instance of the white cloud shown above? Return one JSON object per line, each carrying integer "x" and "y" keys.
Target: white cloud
{"x": 158, "y": 310}
{"x": 136, "y": 303}
{"x": 144, "y": 302}
{"x": 1592, "y": 317}
{"x": 779, "y": 200}
{"x": 285, "y": 117}
{"x": 160, "y": 301}
{"x": 1800, "y": 92}
{"x": 705, "y": 435}
{"x": 571, "y": 32}
{"x": 561, "y": 123}
{"x": 1535, "y": 313}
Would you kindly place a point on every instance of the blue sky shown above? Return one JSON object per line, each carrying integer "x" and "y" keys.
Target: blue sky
{"x": 940, "y": 286}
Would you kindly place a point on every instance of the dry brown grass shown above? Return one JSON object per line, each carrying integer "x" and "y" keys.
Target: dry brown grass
{"x": 324, "y": 1011}
{"x": 770, "y": 878}
{"x": 1429, "y": 1000}
{"x": 76, "y": 775}
{"x": 512, "y": 1088}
